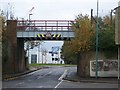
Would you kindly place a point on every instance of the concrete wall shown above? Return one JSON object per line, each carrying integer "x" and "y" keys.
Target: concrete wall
{"x": 106, "y": 68}
{"x": 84, "y": 63}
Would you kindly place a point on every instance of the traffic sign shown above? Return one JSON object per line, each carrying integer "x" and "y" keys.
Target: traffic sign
{"x": 55, "y": 49}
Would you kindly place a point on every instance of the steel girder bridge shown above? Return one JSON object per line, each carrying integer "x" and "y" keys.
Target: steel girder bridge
{"x": 45, "y": 29}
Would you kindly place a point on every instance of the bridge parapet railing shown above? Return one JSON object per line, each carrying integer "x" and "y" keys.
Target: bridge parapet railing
{"x": 44, "y": 25}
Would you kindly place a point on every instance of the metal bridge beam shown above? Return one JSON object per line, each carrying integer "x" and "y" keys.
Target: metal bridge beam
{"x": 31, "y": 29}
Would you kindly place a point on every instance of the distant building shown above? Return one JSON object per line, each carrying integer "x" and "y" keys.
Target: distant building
{"x": 38, "y": 57}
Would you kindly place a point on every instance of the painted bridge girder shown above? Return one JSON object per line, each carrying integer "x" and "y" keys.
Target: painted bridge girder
{"x": 47, "y": 28}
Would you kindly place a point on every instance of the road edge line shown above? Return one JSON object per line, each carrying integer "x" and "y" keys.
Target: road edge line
{"x": 58, "y": 84}
{"x": 63, "y": 75}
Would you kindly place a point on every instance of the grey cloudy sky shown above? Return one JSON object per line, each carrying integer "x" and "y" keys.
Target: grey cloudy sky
{"x": 57, "y": 9}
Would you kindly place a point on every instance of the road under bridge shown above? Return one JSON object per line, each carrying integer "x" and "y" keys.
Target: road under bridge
{"x": 19, "y": 31}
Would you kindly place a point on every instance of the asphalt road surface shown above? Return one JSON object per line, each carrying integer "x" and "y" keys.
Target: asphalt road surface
{"x": 51, "y": 78}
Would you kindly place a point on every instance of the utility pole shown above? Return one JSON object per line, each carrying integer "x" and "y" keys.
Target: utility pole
{"x": 29, "y": 29}
{"x": 29, "y": 20}
{"x": 97, "y": 43}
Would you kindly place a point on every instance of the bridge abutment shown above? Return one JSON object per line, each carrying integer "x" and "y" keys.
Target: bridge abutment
{"x": 16, "y": 60}
{"x": 12, "y": 46}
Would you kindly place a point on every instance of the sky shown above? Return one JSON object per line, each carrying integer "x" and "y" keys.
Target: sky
{"x": 57, "y": 10}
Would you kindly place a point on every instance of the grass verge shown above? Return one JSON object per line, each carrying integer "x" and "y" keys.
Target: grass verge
{"x": 37, "y": 65}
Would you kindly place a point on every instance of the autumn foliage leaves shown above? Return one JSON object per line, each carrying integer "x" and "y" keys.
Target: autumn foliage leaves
{"x": 83, "y": 34}
{"x": 84, "y": 40}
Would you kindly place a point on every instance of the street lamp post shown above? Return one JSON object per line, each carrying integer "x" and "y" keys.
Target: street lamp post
{"x": 29, "y": 16}
{"x": 97, "y": 43}
{"x": 28, "y": 44}
{"x": 29, "y": 20}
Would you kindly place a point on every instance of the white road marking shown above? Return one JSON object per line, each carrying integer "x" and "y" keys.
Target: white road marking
{"x": 63, "y": 75}
{"x": 58, "y": 84}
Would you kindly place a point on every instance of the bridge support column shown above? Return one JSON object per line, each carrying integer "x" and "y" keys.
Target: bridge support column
{"x": 10, "y": 65}
{"x": 21, "y": 55}
{"x": 16, "y": 61}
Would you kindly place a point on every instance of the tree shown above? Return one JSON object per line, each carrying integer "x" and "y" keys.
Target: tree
{"x": 3, "y": 43}
{"x": 82, "y": 42}
{"x": 85, "y": 42}
{"x": 106, "y": 38}
{"x": 80, "y": 45}
{"x": 67, "y": 54}
{"x": 83, "y": 34}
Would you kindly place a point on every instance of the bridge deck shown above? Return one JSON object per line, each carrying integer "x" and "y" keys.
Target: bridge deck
{"x": 45, "y": 29}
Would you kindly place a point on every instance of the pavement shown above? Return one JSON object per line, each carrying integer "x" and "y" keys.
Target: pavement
{"x": 70, "y": 76}
{"x": 15, "y": 76}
